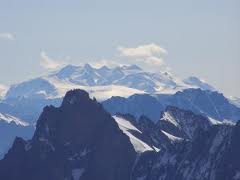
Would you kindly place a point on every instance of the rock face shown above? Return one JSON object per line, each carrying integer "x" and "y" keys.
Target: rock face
{"x": 204, "y": 102}
{"x": 190, "y": 148}
{"x": 199, "y": 150}
{"x": 136, "y": 105}
{"x": 78, "y": 139}
{"x": 81, "y": 141}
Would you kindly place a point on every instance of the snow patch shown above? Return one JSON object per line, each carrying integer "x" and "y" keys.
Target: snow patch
{"x": 168, "y": 117}
{"x": 171, "y": 137}
{"x": 126, "y": 127}
{"x": 8, "y": 118}
{"x": 237, "y": 176}
{"x": 214, "y": 121}
{"x": 84, "y": 152}
{"x": 125, "y": 124}
{"x": 100, "y": 92}
{"x": 77, "y": 173}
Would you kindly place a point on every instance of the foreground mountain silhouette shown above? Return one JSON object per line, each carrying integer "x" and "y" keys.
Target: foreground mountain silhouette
{"x": 77, "y": 138}
{"x": 81, "y": 141}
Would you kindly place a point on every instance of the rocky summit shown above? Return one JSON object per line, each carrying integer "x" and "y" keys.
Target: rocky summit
{"x": 78, "y": 139}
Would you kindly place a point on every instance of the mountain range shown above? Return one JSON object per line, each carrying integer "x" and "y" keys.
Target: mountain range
{"x": 103, "y": 83}
{"x": 122, "y": 89}
{"x": 211, "y": 104}
{"x": 80, "y": 140}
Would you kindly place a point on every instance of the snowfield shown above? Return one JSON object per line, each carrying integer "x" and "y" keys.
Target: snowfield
{"x": 8, "y": 118}
{"x": 127, "y": 127}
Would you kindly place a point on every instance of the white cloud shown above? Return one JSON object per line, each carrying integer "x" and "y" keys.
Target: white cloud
{"x": 142, "y": 51}
{"x": 148, "y": 54}
{"x": 50, "y": 63}
{"x": 8, "y": 36}
{"x": 155, "y": 61}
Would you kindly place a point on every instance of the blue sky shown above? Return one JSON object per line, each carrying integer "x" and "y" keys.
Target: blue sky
{"x": 200, "y": 38}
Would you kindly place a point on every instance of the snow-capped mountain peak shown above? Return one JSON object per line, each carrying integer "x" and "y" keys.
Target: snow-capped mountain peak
{"x": 183, "y": 122}
{"x": 196, "y": 82}
{"x": 66, "y": 71}
{"x": 104, "y": 82}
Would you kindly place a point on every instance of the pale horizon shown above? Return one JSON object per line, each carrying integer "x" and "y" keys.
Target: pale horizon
{"x": 192, "y": 39}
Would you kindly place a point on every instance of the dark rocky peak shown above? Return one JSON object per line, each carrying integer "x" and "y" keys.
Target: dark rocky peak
{"x": 79, "y": 137}
{"x": 143, "y": 119}
{"x": 181, "y": 115}
{"x": 18, "y": 142}
{"x": 77, "y": 118}
{"x": 76, "y": 96}
{"x": 146, "y": 123}
{"x": 182, "y": 123}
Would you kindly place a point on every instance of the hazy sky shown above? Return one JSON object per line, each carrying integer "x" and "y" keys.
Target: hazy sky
{"x": 200, "y": 38}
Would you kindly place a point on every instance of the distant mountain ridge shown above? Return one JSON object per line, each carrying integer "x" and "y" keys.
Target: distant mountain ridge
{"x": 129, "y": 79}
{"x": 204, "y": 102}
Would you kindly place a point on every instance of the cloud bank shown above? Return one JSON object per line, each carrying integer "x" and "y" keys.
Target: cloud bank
{"x": 49, "y": 63}
{"x": 150, "y": 54}
{"x": 142, "y": 51}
